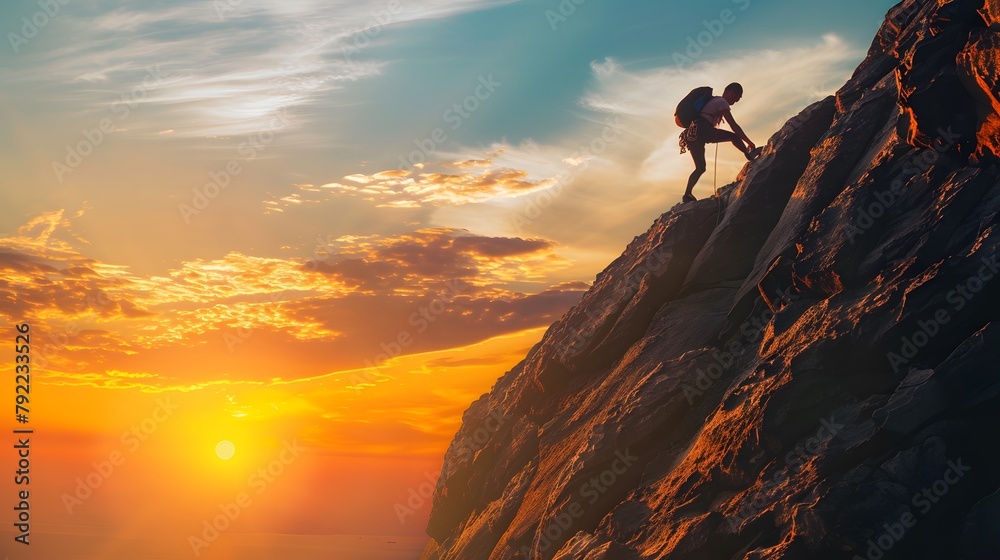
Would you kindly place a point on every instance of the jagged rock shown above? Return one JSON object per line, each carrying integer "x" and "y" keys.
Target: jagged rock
{"x": 991, "y": 13}
{"x": 978, "y": 66}
{"x": 787, "y": 371}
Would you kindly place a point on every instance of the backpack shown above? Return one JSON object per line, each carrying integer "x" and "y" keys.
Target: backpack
{"x": 690, "y": 107}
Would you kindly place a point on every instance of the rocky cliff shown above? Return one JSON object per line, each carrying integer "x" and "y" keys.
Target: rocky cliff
{"x": 807, "y": 370}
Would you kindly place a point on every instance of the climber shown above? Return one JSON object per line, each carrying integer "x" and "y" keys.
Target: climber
{"x": 703, "y": 130}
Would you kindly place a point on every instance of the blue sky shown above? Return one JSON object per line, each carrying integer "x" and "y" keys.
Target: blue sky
{"x": 233, "y": 64}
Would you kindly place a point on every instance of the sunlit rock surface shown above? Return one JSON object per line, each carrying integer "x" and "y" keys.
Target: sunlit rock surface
{"x": 813, "y": 373}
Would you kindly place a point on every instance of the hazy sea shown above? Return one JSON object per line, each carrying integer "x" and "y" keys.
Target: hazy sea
{"x": 230, "y": 546}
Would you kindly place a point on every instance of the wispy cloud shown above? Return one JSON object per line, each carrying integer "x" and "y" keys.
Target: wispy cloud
{"x": 505, "y": 172}
{"x": 409, "y": 189}
{"x": 236, "y": 66}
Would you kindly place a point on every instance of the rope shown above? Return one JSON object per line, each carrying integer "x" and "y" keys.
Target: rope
{"x": 715, "y": 184}
{"x": 715, "y": 179}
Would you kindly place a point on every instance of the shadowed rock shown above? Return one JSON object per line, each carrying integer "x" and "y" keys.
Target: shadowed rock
{"x": 803, "y": 368}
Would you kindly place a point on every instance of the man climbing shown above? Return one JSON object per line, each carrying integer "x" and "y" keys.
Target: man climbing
{"x": 704, "y": 130}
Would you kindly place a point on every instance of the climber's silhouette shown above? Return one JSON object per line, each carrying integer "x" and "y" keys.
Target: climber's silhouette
{"x": 700, "y": 114}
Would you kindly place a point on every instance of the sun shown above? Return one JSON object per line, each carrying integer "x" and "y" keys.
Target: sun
{"x": 225, "y": 450}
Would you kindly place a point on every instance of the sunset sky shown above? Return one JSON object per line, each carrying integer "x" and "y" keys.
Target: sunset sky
{"x": 290, "y": 224}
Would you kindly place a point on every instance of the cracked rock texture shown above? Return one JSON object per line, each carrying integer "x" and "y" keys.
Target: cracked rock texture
{"x": 811, "y": 373}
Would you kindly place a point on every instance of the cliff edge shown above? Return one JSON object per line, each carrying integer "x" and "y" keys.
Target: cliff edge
{"x": 813, "y": 373}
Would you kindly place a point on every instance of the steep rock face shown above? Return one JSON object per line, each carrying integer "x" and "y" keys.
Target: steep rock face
{"x": 812, "y": 373}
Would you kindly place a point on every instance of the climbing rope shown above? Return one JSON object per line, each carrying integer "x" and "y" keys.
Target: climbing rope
{"x": 715, "y": 179}
{"x": 715, "y": 184}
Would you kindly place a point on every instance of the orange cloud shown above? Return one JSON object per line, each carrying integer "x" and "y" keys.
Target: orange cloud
{"x": 237, "y": 315}
{"x": 423, "y": 259}
{"x": 412, "y": 188}
{"x": 469, "y": 163}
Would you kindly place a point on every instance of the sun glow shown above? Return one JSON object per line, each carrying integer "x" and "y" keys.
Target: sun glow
{"x": 225, "y": 450}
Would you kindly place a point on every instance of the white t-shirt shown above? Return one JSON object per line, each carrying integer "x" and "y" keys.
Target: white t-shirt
{"x": 714, "y": 109}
